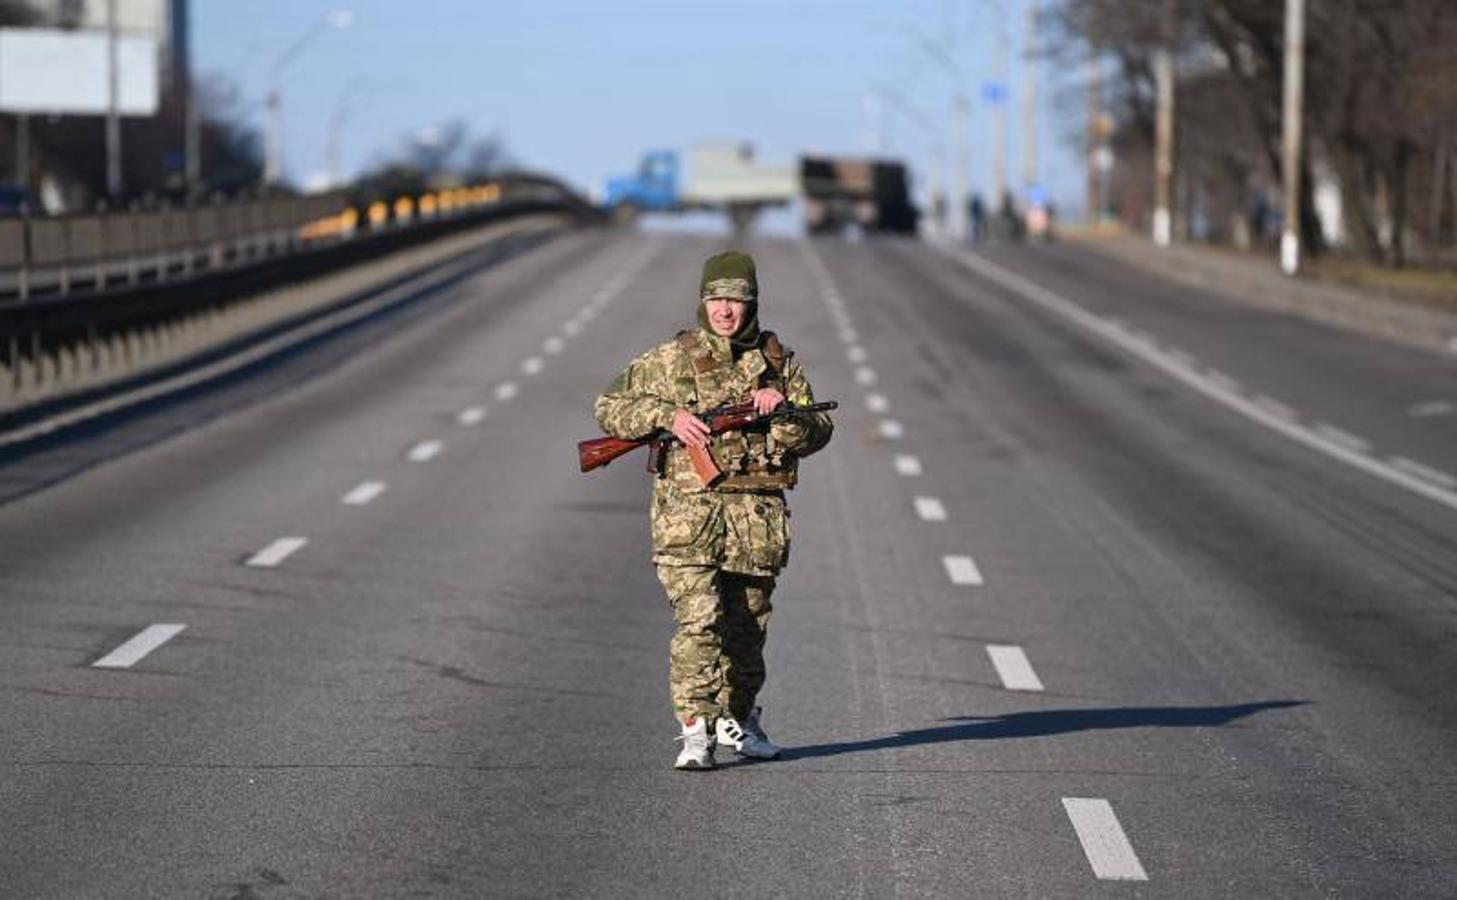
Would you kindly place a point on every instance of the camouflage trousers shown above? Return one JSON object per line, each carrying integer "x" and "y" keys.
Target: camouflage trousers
{"x": 716, "y": 657}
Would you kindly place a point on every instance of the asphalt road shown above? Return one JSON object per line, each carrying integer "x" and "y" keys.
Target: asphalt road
{"x": 1103, "y": 586}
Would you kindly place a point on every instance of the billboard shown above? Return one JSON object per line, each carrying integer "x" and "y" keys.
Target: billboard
{"x": 48, "y": 71}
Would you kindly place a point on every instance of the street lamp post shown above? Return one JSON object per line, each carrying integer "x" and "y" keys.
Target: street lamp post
{"x": 273, "y": 158}
{"x": 1294, "y": 90}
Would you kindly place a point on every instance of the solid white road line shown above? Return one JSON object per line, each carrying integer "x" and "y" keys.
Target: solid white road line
{"x": 891, "y": 430}
{"x": 1014, "y": 668}
{"x": 473, "y": 415}
{"x": 907, "y": 465}
{"x": 855, "y": 353}
{"x": 930, "y": 509}
{"x": 1421, "y": 470}
{"x": 1295, "y": 431}
{"x": 144, "y": 642}
{"x": 424, "y": 451}
{"x": 962, "y": 570}
{"x": 506, "y": 390}
{"x": 865, "y": 375}
{"x": 1343, "y": 438}
{"x": 531, "y": 365}
{"x": 1103, "y": 840}
{"x": 363, "y": 493}
{"x": 876, "y": 403}
{"x": 553, "y": 345}
{"x": 276, "y": 552}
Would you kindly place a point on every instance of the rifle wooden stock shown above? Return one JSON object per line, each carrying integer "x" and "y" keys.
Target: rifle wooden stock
{"x": 598, "y": 452}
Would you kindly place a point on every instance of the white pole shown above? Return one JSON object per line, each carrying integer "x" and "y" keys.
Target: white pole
{"x": 957, "y": 199}
{"x": 273, "y": 140}
{"x": 1294, "y": 95}
{"x": 113, "y": 116}
{"x": 1029, "y": 98}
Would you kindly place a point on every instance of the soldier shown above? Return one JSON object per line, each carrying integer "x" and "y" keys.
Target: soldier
{"x": 718, "y": 549}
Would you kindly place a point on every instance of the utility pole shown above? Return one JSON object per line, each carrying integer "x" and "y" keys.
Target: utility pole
{"x": 113, "y": 114}
{"x": 1029, "y": 97}
{"x": 181, "y": 23}
{"x": 1100, "y": 157}
{"x": 961, "y": 113}
{"x": 999, "y": 113}
{"x": 1163, "y": 165}
{"x": 1294, "y": 98}
{"x": 22, "y": 151}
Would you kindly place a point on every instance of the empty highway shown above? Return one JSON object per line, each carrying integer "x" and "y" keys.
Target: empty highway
{"x": 1103, "y": 585}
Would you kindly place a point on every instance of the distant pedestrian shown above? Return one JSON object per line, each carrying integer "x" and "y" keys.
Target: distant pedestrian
{"x": 719, "y": 548}
{"x": 978, "y": 219}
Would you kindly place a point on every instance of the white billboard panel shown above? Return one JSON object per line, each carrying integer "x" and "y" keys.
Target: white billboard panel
{"x": 66, "y": 72}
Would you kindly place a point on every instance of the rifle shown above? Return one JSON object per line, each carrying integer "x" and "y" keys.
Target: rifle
{"x": 599, "y": 452}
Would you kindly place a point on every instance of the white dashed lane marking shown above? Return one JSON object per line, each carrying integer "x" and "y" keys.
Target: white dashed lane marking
{"x": 907, "y": 465}
{"x": 962, "y": 570}
{"x": 1421, "y": 470}
{"x": 552, "y": 345}
{"x": 1274, "y": 407}
{"x": 471, "y": 416}
{"x": 849, "y": 335}
{"x": 855, "y": 353}
{"x": 531, "y": 365}
{"x": 891, "y": 430}
{"x": 865, "y": 375}
{"x": 133, "y": 650}
{"x": 1014, "y": 668}
{"x": 363, "y": 493}
{"x": 1221, "y": 380}
{"x": 876, "y": 403}
{"x": 571, "y": 327}
{"x": 276, "y": 552}
{"x": 506, "y": 390}
{"x": 930, "y": 509}
{"x": 1104, "y": 843}
{"x": 1430, "y": 408}
{"x": 424, "y": 451}
{"x": 1343, "y": 438}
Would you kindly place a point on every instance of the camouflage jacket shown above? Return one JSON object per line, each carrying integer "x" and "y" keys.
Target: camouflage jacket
{"x": 741, "y": 525}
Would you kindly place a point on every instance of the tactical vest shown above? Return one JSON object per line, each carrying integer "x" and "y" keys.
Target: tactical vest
{"x": 751, "y": 460}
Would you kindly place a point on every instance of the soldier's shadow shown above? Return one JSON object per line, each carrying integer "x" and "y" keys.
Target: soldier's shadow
{"x": 1044, "y": 723}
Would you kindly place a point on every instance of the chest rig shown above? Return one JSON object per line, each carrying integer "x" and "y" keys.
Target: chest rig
{"x": 751, "y": 459}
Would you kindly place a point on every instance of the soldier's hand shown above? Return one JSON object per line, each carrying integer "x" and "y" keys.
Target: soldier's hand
{"x": 766, "y": 400}
{"x": 689, "y": 429}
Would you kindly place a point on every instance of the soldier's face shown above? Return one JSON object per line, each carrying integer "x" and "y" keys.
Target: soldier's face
{"x": 725, "y": 315}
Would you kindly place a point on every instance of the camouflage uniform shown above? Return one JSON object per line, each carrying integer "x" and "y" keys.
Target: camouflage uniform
{"x": 717, "y": 550}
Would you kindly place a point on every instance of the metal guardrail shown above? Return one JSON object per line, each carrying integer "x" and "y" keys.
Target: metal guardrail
{"x": 65, "y": 255}
{"x": 100, "y": 299}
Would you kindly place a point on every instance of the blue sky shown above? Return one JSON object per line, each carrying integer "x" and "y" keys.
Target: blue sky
{"x": 582, "y": 88}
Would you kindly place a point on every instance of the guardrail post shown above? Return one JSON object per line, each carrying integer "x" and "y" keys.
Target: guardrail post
{"x": 162, "y": 261}
{"x": 22, "y": 286}
{"x": 133, "y": 273}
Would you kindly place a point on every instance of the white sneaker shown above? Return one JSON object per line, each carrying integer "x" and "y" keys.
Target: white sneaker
{"x": 697, "y": 752}
{"x": 746, "y": 741}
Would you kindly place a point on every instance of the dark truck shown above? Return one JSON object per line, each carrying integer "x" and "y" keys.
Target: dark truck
{"x": 868, "y": 194}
